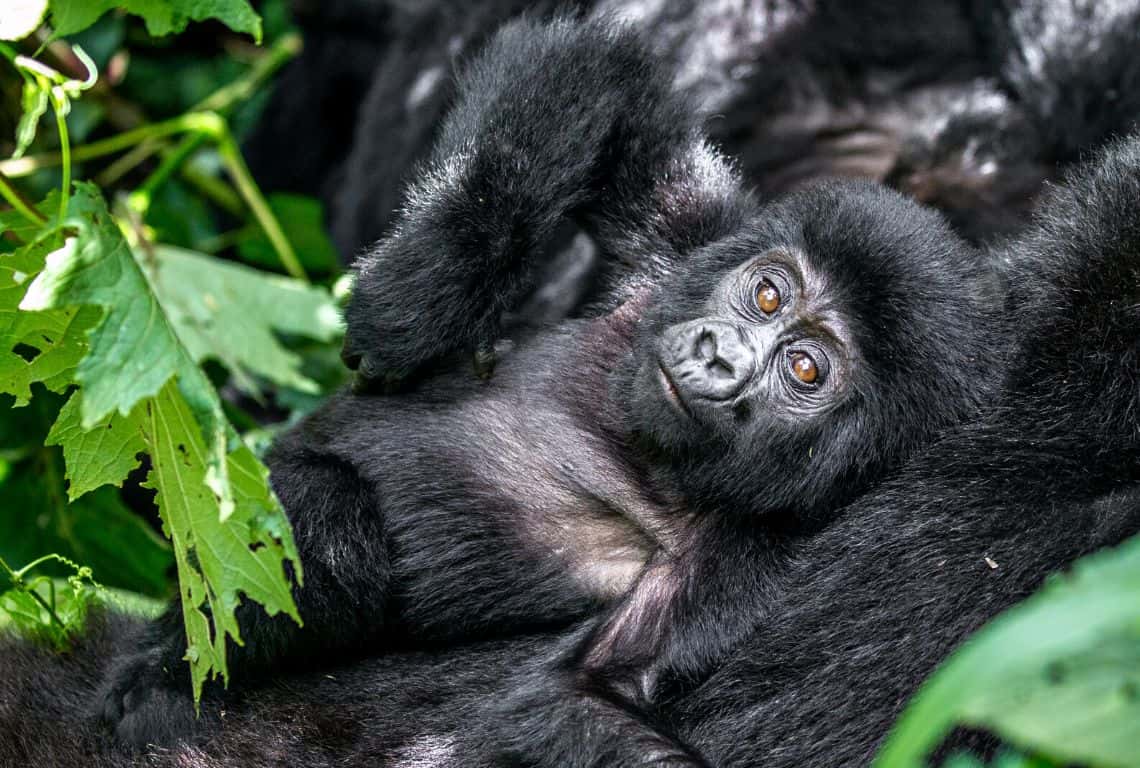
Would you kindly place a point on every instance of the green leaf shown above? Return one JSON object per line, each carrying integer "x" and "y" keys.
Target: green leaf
{"x": 21, "y": 18}
{"x": 1058, "y": 675}
{"x": 133, "y": 350}
{"x": 162, "y": 17}
{"x": 103, "y": 455}
{"x": 218, "y": 561}
{"x": 230, "y": 313}
{"x": 43, "y": 346}
{"x": 98, "y": 530}
{"x": 229, "y": 533}
{"x": 303, "y": 222}
{"x": 35, "y": 104}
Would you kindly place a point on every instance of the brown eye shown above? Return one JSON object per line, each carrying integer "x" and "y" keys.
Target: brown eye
{"x": 804, "y": 368}
{"x": 767, "y": 298}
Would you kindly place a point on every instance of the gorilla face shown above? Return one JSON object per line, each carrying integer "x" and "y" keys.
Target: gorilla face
{"x": 767, "y": 343}
{"x": 786, "y": 367}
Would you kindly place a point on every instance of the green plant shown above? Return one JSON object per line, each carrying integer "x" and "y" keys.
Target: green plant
{"x": 116, "y": 331}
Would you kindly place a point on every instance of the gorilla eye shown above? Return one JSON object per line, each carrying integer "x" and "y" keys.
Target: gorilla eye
{"x": 767, "y": 297}
{"x": 804, "y": 367}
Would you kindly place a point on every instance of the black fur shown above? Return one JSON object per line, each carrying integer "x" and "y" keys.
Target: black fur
{"x": 466, "y": 510}
{"x": 968, "y": 106}
{"x": 864, "y": 612}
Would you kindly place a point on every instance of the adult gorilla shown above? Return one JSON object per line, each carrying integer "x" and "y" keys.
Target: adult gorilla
{"x": 868, "y": 610}
{"x": 968, "y": 106}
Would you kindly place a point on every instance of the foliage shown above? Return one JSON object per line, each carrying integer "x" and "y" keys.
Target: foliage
{"x": 1058, "y": 675}
{"x": 114, "y": 343}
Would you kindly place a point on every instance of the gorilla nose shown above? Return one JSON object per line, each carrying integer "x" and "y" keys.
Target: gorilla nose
{"x": 709, "y": 359}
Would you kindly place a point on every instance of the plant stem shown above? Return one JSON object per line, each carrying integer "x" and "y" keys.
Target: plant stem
{"x": 13, "y": 197}
{"x": 17, "y": 579}
{"x": 171, "y": 161}
{"x": 226, "y": 97}
{"x": 221, "y": 100}
{"x": 121, "y": 166}
{"x": 122, "y": 141}
{"x": 215, "y": 190}
{"x": 57, "y": 106}
{"x": 247, "y": 187}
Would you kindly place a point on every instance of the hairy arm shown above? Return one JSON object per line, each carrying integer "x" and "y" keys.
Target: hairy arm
{"x": 556, "y": 121}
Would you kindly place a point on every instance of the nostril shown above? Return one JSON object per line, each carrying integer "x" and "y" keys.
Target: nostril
{"x": 722, "y": 368}
{"x": 706, "y": 345}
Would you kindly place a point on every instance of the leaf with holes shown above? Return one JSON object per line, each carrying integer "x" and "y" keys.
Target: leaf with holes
{"x": 38, "y": 346}
{"x": 230, "y": 536}
{"x": 218, "y": 561}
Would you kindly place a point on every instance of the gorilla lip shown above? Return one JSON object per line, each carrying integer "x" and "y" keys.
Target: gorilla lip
{"x": 672, "y": 393}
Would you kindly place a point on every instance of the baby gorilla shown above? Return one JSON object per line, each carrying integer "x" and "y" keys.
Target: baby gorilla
{"x": 745, "y": 371}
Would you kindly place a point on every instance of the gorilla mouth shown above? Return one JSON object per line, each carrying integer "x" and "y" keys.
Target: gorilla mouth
{"x": 672, "y": 394}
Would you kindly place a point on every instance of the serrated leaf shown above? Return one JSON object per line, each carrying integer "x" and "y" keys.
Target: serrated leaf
{"x": 35, "y": 104}
{"x": 42, "y": 346}
{"x": 133, "y": 350}
{"x": 218, "y": 561}
{"x": 103, "y": 455}
{"x": 229, "y": 313}
{"x": 1057, "y": 675}
{"x": 162, "y": 17}
{"x": 229, "y": 533}
{"x": 21, "y": 18}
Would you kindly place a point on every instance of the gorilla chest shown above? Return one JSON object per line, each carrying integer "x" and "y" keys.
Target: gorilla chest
{"x": 567, "y": 496}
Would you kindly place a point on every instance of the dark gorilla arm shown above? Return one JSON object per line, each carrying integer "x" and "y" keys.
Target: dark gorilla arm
{"x": 592, "y": 132}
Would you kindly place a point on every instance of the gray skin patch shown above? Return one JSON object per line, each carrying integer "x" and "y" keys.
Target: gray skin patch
{"x": 586, "y": 512}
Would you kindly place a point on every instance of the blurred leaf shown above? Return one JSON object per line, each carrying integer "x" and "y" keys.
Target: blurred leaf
{"x": 1005, "y": 759}
{"x": 179, "y": 217}
{"x": 1058, "y": 675}
{"x": 97, "y": 530}
{"x": 303, "y": 221}
{"x": 162, "y": 17}
{"x": 103, "y": 455}
{"x": 168, "y": 84}
{"x": 82, "y": 119}
{"x": 229, "y": 313}
{"x": 21, "y": 18}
